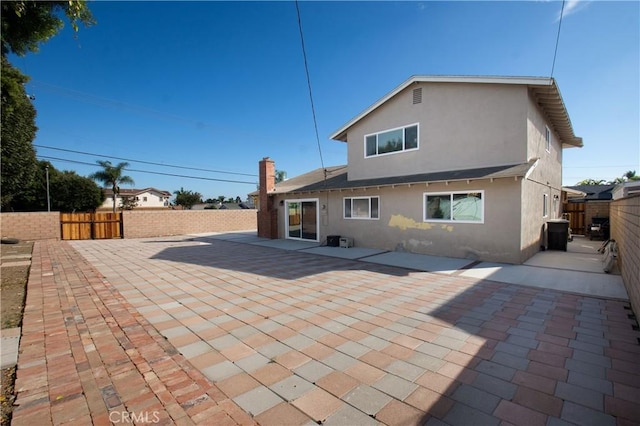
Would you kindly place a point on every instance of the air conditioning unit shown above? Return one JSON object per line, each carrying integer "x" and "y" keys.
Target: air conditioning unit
{"x": 346, "y": 242}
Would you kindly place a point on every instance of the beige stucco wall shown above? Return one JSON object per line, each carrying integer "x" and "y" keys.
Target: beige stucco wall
{"x": 533, "y": 222}
{"x": 461, "y": 126}
{"x": 401, "y": 225}
{"x": 548, "y": 170}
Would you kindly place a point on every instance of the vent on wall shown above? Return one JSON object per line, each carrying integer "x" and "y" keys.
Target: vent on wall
{"x": 417, "y": 96}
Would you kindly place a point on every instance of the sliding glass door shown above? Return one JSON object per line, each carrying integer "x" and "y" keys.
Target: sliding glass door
{"x": 302, "y": 219}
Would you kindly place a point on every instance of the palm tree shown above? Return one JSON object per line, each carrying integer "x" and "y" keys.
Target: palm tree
{"x": 112, "y": 176}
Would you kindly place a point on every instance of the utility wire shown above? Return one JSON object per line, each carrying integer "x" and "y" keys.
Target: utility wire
{"x": 306, "y": 68}
{"x": 555, "y": 53}
{"x": 149, "y": 172}
{"x": 143, "y": 162}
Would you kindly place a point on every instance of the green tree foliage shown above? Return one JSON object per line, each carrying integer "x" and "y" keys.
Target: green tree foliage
{"x": 591, "y": 182}
{"x": 628, "y": 176}
{"x": 281, "y": 176}
{"x": 26, "y": 24}
{"x": 71, "y": 192}
{"x": 18, "y": 129}
{"x": 186, "y": 198}
{"x": 111, "y": 176}
{"x": 128, "y": 202}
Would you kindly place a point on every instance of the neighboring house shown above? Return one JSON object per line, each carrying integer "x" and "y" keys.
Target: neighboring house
{"x": 586, "y": 204}
{"x": 468, "y": 167}
{"x": 626, "y": 189}
{"x": 145, "y": 198}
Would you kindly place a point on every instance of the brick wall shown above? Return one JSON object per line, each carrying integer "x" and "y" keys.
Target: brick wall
{"x": 149, "y": 223}
{"x": 625, "y": 229}
{"x": 137, "y": 224}
{"x": 31, "y": 226}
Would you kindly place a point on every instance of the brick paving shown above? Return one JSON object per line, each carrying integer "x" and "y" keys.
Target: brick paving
{"x": 197, "y": 330}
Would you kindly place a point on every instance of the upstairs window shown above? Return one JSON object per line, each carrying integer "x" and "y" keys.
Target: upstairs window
{"x": 547, "y": 139}
{"x": 390, "y": 141}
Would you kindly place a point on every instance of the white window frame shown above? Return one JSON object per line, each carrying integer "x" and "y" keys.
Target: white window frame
{"x": 451, "y": 194}
{"x": 547, "y": 139}
{"x": 369, "y": 198}
{"x": 545, "y": 205}
{"x": 404, "y": 149}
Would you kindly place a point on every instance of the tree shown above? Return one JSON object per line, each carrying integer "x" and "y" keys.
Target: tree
{"x": 281, "y": 176}
{"x": 187, "y": 198}
{"x": 128, "y": 202}
{"x": 71, "y": 192}
{"x": 591, "y": 182}
{"x": 629, "y": 176}
{"x": 221, "y": 198}
{"x": 18, "y": 130}
{"x": 27, "y": 23}
{"x": 112, "y": 176}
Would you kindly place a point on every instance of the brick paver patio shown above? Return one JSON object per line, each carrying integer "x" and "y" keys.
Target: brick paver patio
{"x": 276, "y": 337}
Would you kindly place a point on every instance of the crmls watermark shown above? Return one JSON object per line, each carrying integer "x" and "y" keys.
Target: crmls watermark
{"x": 117, "y": 417}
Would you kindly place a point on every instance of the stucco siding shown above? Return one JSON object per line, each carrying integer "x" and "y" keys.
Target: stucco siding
{"x": 400, "y": 225}
{"x": 549, "y": 168}
{"x": 461, "y": 126}
{"x": 533, "y": 219}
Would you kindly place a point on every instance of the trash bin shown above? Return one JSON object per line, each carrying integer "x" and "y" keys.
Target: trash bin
{"x": 557, "y": 234}
{"x": 333, "y": 240}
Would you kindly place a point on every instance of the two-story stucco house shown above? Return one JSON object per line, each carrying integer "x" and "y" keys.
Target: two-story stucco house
{"x": 149, "y": 198}
{"x": 467, "y": 167}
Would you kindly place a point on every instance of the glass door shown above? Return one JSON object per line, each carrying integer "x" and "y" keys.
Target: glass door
{"x": 302, "y": 219}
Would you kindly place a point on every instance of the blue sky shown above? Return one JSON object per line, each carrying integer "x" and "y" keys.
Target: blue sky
{"x": 220, "y": 85}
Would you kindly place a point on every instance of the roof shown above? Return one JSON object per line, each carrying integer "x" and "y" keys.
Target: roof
{"x": 130, "y": 192}
{"x": 336, "y": 178}
{"x": 544, "y": 90}
{"x": 594, "y": 192}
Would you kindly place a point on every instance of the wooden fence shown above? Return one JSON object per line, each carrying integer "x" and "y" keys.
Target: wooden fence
{"x": 576, "y": 217}
{"x": 91, "y": 226}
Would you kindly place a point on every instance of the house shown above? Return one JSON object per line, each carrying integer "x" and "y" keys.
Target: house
{"x": 586, "y": 204}
{"x": 144, "y": 198}
{"x": 467, "y": 167}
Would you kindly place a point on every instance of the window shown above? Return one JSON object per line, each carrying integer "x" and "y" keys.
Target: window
{"x": 144, "y": 199}
{"x": 454, "y": 206}
{"x": 547, "y": 139}
{"x": 362, "y": 208}
{"x": 389, "y": 141}
{"x": 545, "y": 205}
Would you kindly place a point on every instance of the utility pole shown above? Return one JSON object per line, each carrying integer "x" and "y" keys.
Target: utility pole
{"x": 48, "y": 198}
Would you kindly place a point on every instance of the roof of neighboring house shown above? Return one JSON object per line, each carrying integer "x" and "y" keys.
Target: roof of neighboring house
{"x": 131, "y": 192}
{"x": 594, "y": 192}
{"x": 335, "y": 178}
{"x": 544, "y": 89}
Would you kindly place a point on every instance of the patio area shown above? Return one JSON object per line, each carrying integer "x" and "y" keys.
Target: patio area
{"x": 231, "y": 329}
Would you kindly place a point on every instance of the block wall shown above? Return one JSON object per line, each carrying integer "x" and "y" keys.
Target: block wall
{"x": 625, "y": 229}
{"x": 150, "y": 223}
{"x": 31, "y": 225}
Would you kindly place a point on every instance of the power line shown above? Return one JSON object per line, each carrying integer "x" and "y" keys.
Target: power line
{"x": 306, "y": 68}
{"x": 149, "y": 171}
{"x": 144, "y": 162}
{"x": 555, "y": 53}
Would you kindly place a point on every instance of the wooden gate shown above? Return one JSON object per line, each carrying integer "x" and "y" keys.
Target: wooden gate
{"x": 576, "y": 219}
{"x": 91, "y": 226}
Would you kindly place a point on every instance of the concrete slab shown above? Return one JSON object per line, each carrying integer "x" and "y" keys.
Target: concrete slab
{"x": 236, "y": 236}
{"x": 345, "y": 253}
{"x": 586, "y": 283}
{"x": 286, "y": 244}
{"x": 420, "y": 262}
{"x": 10, "y": 341}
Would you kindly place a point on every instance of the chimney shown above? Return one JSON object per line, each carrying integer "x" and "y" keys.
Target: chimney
{"x": 267, "y": 215}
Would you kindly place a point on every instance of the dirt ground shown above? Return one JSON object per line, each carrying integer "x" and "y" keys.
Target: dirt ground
{"x": 12, "y": 292}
